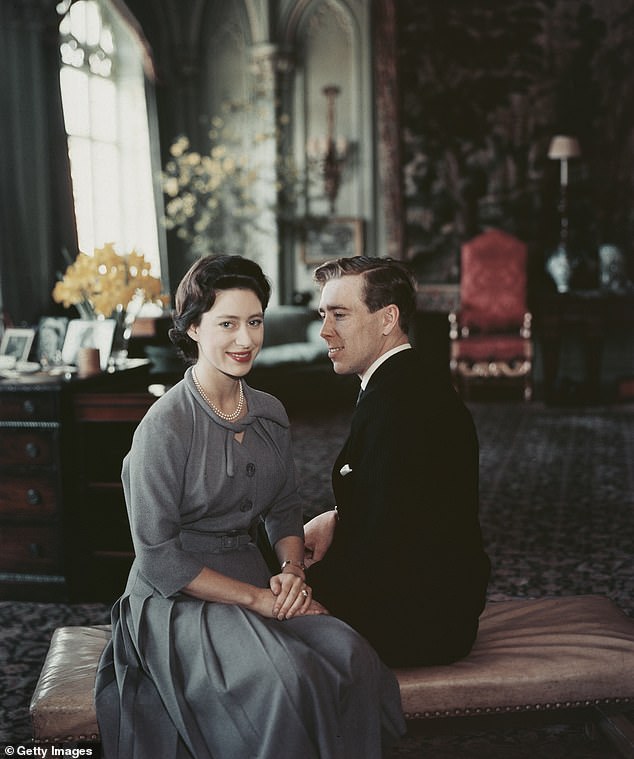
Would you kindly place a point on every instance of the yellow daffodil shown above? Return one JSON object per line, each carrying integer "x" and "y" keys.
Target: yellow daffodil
{"x": 107, "y": 283}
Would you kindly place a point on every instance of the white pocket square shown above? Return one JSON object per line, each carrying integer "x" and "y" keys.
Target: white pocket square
{"x": 345, "y": 469}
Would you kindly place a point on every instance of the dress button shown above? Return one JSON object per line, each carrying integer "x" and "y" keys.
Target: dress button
{"x": 246, "y": 505}
{"x": 250, "y": 469}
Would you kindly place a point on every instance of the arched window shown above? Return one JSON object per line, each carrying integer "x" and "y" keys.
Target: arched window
{"x": 106, "y": 116}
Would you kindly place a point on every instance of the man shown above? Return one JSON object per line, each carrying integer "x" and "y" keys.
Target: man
{"x": 401, "y": 558}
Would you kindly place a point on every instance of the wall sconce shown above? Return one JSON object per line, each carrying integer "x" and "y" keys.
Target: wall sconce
{"x": 329, "y": 153}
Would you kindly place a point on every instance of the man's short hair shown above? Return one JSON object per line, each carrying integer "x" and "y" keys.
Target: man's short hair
{"x": 386, "y": 282}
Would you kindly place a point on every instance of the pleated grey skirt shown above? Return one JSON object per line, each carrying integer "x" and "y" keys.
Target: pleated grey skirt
{"x": 183, "y": 678}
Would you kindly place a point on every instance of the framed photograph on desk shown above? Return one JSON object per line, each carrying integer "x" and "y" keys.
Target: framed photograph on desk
{"x": 326, "y": 238}
{"x": 50, "y": 338}
{"x": 88, "y": 333}
{"x": 17, "y": 342}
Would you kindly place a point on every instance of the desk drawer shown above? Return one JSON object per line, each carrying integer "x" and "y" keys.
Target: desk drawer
{"x": 28, "y": 496}
{"x": 27, "y": 446}
{"x": 29, "y": 549}
{"x": 28, "y": 407}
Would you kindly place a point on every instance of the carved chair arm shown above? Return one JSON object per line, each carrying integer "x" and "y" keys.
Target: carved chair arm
{"x": 526, "y": 329}
{"x": 454, "y": 329}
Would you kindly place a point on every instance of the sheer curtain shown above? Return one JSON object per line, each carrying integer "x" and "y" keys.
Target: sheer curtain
{"x": 106, "y": 116}
{"x": 37, "y": 209}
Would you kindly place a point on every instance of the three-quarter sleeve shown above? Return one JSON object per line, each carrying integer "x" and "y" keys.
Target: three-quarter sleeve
{"x": 284, "y": 518}
{"x": 153, "y": 480}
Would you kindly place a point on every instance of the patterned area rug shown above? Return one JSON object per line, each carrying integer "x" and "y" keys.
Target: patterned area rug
{"x": 557, "y": 498}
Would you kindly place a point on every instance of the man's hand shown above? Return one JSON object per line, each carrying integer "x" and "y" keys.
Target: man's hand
{"x": 292, "y": 595}
{"x": 318, "y": 535}
{"x": 317, "y": 608}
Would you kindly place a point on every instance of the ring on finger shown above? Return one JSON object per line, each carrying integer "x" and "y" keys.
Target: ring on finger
{"x": 305, "y": 593}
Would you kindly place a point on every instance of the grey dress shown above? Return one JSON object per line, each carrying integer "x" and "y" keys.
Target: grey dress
{"x": 187, "y": 678}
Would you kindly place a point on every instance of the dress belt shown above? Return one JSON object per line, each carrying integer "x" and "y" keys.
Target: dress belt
{"x": 229, "y": 539}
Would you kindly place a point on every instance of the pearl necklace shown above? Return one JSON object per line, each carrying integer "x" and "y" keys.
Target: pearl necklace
{"x": 227, "y": 417}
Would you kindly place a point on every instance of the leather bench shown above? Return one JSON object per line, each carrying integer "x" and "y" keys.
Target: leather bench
{"x": 531, "y": 655}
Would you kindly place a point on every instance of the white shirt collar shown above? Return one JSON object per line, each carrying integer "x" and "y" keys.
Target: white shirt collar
{"x": 381, "y": 359}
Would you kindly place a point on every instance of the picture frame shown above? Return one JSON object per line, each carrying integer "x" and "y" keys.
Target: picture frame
{"x": 17, "y": 342}
{"x": 51, "y": 332}
{"x": 326, "y": 238}
{"x": 88, "y": 333}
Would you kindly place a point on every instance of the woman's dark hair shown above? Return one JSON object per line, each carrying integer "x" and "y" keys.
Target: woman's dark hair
{"x": 386, "y": 282}
{"x": 197, "y": 292}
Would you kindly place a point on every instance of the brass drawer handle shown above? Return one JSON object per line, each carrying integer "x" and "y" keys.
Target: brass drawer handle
{"x": 33, "y": 497}
{"x": 29, "y": 407}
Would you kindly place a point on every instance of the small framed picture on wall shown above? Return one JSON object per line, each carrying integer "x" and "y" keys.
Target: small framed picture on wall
{"x": 327, "y": 238}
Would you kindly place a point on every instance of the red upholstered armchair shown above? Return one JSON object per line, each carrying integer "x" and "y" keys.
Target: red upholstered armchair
{"x": 490, "y": 335}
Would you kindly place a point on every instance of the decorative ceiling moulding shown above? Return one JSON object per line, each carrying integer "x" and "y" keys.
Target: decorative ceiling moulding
{"x": 291, "y": 19}
{"x": 268, "y": 61}
{"x": 331, "y": 10}
{"x": 294, "y": 14}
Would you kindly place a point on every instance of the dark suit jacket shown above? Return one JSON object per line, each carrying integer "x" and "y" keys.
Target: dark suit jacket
{"x": 407, "y": 567}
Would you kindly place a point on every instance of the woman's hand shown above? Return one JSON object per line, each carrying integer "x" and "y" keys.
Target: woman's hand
{"x": 287, "y": 596}
{"x": 318, "y": 535}
{"x": 292, "y": 595}
{"x": 263, "y": 603}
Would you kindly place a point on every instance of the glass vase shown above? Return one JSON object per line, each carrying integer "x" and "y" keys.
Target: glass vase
{"x": 121, "y": 337}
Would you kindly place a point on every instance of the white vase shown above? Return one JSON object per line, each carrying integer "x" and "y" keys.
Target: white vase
{"x": 559, "y": 268}
{"x": 612, "y": 268}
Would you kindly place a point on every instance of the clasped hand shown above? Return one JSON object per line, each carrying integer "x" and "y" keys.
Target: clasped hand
{"x": 292, "y": 597}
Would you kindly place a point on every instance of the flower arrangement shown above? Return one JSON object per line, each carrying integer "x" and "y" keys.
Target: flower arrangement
{"x": 107, "y": 284}
{"x": 212, "y": 199}
{"x": 203, "y": 190}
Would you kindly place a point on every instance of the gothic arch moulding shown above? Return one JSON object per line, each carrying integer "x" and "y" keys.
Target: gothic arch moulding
{"x": 331, "y": 45}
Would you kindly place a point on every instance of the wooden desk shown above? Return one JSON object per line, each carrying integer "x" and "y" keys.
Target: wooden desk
{"x": 589, "y": 312}
{"x": 103, "y": 425}
{"x": 43, "y": 461}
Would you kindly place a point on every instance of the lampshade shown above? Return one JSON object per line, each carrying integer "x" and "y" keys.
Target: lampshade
{"x": 562, "y": 146}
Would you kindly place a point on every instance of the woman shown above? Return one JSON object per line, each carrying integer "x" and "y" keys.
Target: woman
{"x": 210, "y": 655}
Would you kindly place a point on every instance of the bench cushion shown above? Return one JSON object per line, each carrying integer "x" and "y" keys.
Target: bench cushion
{"x": 62, "y": 706}
{"x": 544, "y": 654}
{"x": 550, "y": 653}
